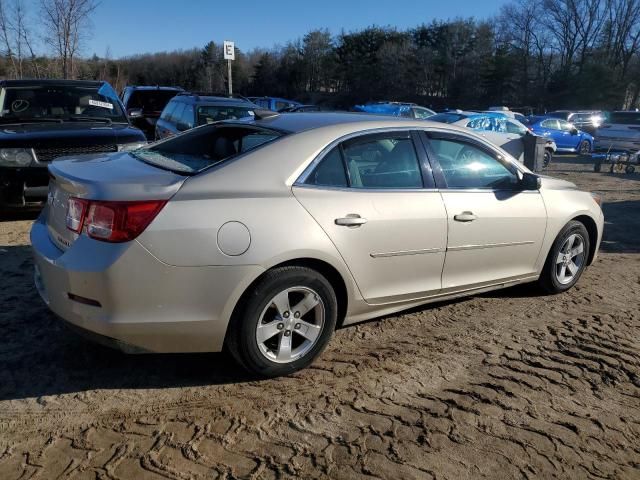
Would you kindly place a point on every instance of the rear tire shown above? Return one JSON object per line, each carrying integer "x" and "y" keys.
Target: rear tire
{"x": 548, "y": 156}
{"x": 286, "y": 321}
{"x": 567, "y": 259}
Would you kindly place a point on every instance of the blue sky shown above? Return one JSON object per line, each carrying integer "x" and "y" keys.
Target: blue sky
{"x": 140, "y": 26}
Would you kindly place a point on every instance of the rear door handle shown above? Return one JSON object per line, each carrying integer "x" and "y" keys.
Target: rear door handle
{"x": 465, "y": 217}
{"x": 351, "y": 220}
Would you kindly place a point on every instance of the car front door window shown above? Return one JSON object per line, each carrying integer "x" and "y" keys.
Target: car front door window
{"x": 465, "y": 165}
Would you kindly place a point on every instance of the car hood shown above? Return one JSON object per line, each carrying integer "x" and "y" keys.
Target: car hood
{"x": 551, "y": 183}
{"x": 67, "y": 134}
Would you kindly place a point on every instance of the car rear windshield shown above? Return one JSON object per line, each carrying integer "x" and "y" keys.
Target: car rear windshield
{"x": 150, "y": 100}
{"x": 624, "y": 118}
{"x": 216, "y": 113}
{"x": 205, "y": 146}
{"x": 447, "y": 117}
{"x": 60, "y": 102}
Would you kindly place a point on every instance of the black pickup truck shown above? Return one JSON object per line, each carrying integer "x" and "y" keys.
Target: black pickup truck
{"x": 41, "y": 120}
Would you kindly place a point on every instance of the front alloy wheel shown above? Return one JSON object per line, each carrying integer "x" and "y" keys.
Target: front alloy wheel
{"x": 570, "y": 259}
{"x": 567, "y": 258}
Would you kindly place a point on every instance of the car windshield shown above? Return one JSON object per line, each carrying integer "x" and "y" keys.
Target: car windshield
{"x": 202, "y": 147}
{"x": 624, "y": 118}
{"x": 61, "y": 103}
{"x": 215, "y": 113}
{"x": 150, "y": 100}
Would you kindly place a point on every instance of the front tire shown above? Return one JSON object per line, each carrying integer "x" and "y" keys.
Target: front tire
{"x": 584, "y": 148}
{"x": 567, "y": 259}
{"x": 286, "y": 322}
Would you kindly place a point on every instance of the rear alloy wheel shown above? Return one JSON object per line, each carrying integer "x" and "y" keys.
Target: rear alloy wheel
{"x": 584, "y": 148}
{"x": 567, "y": 259}
{"x": 288, "y": 320}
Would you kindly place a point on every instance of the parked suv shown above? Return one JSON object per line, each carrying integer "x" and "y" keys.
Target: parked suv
{"x": 621, "y": 131}
{"x": 187, "y": 110}
{"x": 145, "y": 104}
{"x": 586, "y": 120}
{"x": 45, "y": 119}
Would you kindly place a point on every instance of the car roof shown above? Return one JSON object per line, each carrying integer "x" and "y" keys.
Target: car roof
{"x": 194, "y": 98}
{"x": 300, "y": 122}
{"x": 40, "y": 83}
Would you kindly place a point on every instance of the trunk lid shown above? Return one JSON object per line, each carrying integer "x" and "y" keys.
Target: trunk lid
{"x": 115, "y": 177}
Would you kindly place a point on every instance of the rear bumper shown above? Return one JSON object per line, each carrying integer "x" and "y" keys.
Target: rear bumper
{"x": 129, "y": 299}
{"x": 23, "y": 187}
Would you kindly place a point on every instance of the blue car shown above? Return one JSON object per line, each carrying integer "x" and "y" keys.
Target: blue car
{"x": 567, "y": 137}
{"x": 396, "y": 109}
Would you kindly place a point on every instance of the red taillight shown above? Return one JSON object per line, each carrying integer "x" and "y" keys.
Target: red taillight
{"x": 115, "y": 221}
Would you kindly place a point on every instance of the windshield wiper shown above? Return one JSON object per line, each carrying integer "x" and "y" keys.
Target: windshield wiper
{"x": 106, "y": 120}
{"x": 20, "y": 120}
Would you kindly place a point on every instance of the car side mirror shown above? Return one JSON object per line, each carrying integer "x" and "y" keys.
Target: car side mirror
{"x": 134, "y": 113}
{"x": 574, "y": 131}
{"x": 529, "y": 181}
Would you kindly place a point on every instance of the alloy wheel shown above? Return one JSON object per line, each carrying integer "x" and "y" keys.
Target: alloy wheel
{"x": 290, "y": 325}
{"x": 570, "y": 259}
{"x": 585, "y": 148}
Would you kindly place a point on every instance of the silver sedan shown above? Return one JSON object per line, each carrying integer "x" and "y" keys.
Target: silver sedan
{"x": 261, "y": 236}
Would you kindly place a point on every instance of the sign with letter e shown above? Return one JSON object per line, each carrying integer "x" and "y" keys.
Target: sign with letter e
{"x": 229, "y": 50}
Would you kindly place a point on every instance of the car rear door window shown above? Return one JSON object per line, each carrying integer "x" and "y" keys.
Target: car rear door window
{"x": 467, "y": 166}
{"x": 377, "y": 161}
{"x": 382, "y": 161}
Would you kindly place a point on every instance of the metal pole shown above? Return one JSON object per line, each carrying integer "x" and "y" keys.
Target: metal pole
{"x": 230, "y": 79}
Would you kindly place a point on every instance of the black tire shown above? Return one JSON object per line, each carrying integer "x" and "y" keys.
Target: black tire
{"x": 241, "y": 339}
{"x": 597, "y": 167}
{"x": 584, "y": 148}
{"x": 612, "y": 169}
{"x": 548, "y": 156}
{"x": 548, "y": 279}
{"x": 630, "y": 169}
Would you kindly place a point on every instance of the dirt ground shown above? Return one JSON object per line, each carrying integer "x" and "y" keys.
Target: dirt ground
{"x": 511, "y": 384}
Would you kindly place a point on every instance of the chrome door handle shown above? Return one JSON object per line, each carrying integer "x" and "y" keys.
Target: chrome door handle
{"x": 351, "y": 220}
{"x": 465, "y": 217}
